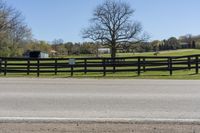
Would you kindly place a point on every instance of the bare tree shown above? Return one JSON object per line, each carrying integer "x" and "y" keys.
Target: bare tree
{"x": 9, "y": 17}
{"x": 112, "y": 25}
{"x": 12, "y": 28}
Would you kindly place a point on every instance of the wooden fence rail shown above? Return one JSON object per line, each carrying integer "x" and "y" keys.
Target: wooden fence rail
{"x": 100, "y": 65}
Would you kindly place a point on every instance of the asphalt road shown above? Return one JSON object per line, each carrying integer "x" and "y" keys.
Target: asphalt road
{"x": 99, "y": 98}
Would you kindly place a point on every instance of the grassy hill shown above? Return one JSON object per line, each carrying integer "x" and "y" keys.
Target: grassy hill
{"x": 164, "y": 53}
{"x": 161, "y": 53}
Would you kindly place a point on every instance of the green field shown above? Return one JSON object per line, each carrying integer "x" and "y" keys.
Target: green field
{"x": 162, "y": 53}
{"x": 186, "y": 74}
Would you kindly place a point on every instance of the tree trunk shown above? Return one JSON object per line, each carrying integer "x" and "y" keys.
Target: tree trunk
{"x": 113, "y": 56}
{"x": 113, "y": 52}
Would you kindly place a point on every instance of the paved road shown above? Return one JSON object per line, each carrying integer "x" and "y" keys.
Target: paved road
{"x": 99, "y": 98}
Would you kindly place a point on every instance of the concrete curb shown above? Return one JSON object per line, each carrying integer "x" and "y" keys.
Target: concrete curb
{"x": 99, "y": 120}
{"x": 100, "y": 125}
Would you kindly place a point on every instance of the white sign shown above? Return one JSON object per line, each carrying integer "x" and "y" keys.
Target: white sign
{"x": 72, "y": 61}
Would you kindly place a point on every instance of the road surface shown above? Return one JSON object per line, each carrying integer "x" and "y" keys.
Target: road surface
{"x": 99, "y": 98}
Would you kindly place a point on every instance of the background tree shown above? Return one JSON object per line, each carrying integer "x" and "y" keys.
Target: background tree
{"x": 173, "y": 43}
{"x": 113, "y": 26}
{"x": 155, "y": 44}
{"x": 187, "y": 39}
{"x": 37, "y": 46}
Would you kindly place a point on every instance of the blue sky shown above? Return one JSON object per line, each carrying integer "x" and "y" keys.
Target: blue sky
{"x": 55, "y": 19}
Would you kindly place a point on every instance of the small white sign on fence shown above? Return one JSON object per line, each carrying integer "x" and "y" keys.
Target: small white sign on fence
{"x": 72, "y": 61}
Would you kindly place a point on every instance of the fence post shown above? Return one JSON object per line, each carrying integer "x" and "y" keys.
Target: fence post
{"x": 197, "y": 64}
{"x": 189, "y": 63}
{"x": 0, "y": 66}
{"x": 5, "y": 67}
{"x": 170, "y": 67}
{"x": 72, "y": 70}
{"x": 38, "y": 68}
{"x": 144, "y": 64}
{"x": 139, "y": 66}
{"x": 56, "y": 66}
{"x": 104, "y": 67}
{"x": 114, "y": 67}
{"x": 85, "y": 66}
{"x": 28, "y": 67}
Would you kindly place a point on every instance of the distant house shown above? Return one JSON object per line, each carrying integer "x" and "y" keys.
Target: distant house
{"x": 36, "y": 54}
{"x": 184, "y": 45}
{"x": 53, "y": 53}
{"x": 104, "y": 51}
{"x": 188, "y": 45}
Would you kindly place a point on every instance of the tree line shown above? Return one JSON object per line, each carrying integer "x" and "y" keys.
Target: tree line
{"x": 64, "y": 49}
{"x": 173, "y": 43}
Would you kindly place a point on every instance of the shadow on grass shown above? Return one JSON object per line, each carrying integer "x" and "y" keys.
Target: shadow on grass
{"x": 131, "y": 75}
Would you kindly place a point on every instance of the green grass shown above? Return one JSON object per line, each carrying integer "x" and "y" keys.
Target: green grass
{"x": 161, "y": 53}
{"x": 186, "y": 74}
{"x": 165, "y": 53}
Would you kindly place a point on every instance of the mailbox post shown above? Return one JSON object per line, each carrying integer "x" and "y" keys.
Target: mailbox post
{"x": 72, "y": 62}
{"x": 0, "y": 66}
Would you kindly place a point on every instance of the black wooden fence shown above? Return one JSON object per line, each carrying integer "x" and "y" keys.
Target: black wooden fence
{"x": 99, "y": 65}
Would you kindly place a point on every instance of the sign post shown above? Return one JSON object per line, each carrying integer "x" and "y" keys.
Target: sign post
{"x": 72, "y": 62}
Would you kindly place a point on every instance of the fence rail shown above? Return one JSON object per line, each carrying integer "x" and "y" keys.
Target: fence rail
{"x": 100, "y": 65}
